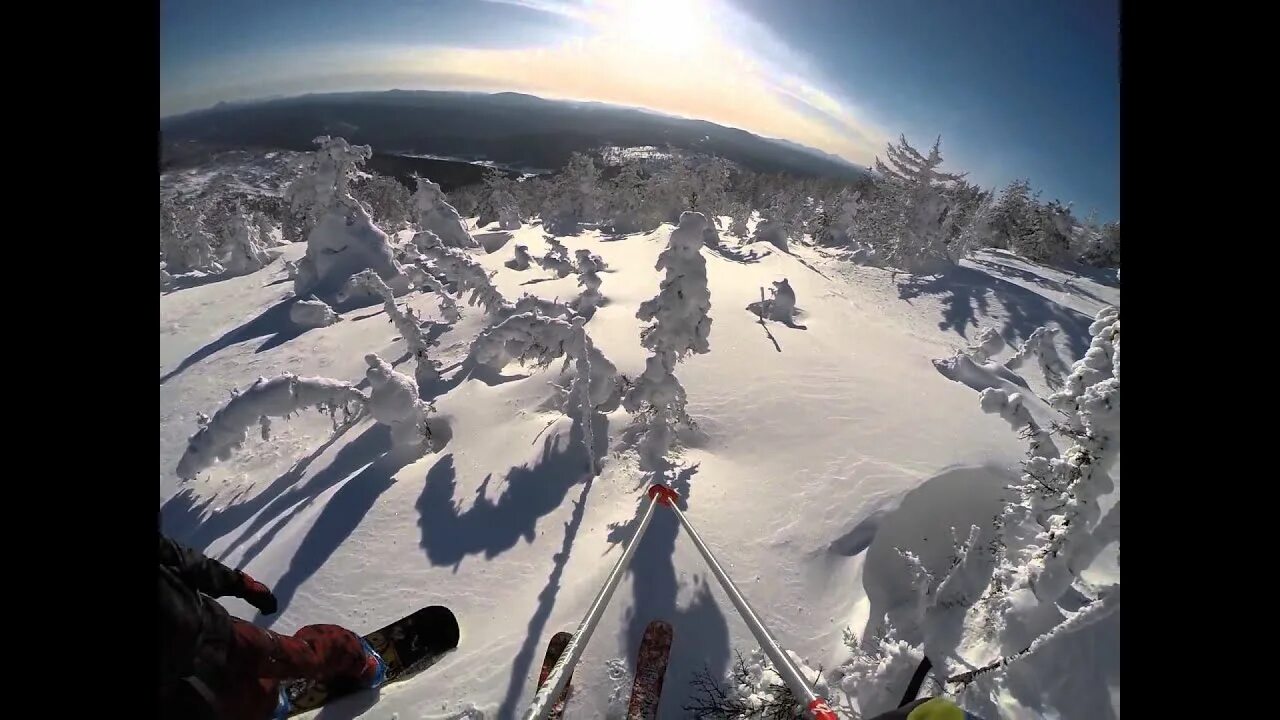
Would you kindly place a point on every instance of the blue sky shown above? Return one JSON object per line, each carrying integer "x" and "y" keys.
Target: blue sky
{"x": 1016, "y": 88}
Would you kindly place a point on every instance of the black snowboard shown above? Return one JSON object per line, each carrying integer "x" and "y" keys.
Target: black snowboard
{"x": 408, "y": 646}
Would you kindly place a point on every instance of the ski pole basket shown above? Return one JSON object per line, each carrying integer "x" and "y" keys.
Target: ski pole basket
{"x": 660, "y": 494}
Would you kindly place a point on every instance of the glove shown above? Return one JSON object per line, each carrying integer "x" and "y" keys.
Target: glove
{"x": 257, "y": 595}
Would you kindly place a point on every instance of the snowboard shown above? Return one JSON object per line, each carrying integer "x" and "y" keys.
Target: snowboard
{"x": 555, "y": 649}
{"x": 651, "y": 669}
{"x": 408, "y": 646}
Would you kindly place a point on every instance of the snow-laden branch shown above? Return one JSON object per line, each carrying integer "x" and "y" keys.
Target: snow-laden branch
{"x": 407, "y": 323}
{"x": 556, "y": 259}
{"x": 277, "y": 397}
{"x": 312, "y": 314}
{"x": 467, "y": 274}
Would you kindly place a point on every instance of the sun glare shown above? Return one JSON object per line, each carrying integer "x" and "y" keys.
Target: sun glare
{"x": 673, "y": 27}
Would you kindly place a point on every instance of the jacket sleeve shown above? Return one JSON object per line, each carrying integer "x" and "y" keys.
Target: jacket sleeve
{"x": 199, "y": 572}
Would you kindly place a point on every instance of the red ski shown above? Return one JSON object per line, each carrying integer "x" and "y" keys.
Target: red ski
{"x": 651, "y": 668}
{"x": 555, "y": 648}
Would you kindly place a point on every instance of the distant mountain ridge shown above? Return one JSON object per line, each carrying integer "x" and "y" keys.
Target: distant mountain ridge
{"x": 506, "y": 128}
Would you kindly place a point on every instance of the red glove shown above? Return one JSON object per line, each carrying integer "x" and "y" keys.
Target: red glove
{"x": 257, "y": 595}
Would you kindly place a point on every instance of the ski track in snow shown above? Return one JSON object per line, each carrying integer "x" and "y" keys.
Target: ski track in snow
{"x": 804, "y": 452}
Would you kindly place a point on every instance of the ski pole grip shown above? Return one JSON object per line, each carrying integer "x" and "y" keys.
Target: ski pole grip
{"x": 666, "y": 496}
{"x": 820, "y": 710}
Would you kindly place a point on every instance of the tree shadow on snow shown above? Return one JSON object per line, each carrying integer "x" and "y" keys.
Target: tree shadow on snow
{"x": 491, "y": 527}
{"x": 534, "y": 640}
{"x": 1100, "y": 275}
{"x": 336, "y": 521}
{"x": 373, "y": 443}
{"x": 1026, "y": 276}
{"x": 966, "y": 294}
{"x": 273, "y": 322}
{"x": 731, "y": 254}
{"x": 180, "y": 283}
{"x": 701, "y": 631}
{"x": 182, "y": 513}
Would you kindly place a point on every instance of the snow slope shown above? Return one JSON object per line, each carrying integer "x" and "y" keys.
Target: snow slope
{"x": 809, "y": 438}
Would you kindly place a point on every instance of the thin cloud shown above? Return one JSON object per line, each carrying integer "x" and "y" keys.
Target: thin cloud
{"x": 553, "y": 7}
{"x": 698, "y": 59}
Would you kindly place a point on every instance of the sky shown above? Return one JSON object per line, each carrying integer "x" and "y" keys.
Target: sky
{"x": 1015, "y": 88}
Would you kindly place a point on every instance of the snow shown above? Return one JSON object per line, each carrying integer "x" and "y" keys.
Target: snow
{"x": 312, "y": 314}
{"x": 816, "y": 452}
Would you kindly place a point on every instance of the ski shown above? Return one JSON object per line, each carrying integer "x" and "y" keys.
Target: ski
{"x": 555, "y": 648}
{"x": 651, "y": 668}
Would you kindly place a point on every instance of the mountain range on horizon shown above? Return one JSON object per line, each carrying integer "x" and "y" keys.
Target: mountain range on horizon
{"x": 507, "y": 127}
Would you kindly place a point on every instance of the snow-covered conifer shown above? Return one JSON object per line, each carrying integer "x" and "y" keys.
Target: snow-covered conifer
{"x": 437, "y": 216}
{"x": 341, "y": 237}
{"x": 679, "y": 324}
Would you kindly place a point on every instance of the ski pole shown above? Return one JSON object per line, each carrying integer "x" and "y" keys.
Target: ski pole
{"x": 817, "y": 707}
{"x": 555, "y": 682}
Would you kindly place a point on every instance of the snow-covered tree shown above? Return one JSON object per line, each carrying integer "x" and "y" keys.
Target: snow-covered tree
{"x": 573, "y": 198}
{"x": 1011, "y": 216}
{"x": 1048, "y": 239}
{"x": 268, "y": 231}
{"x": 780, "y": 220}
{"x": 680, "y": 323}
{"x": 228, "y": 429}
{"x": 1097, "y": 245}
{"x": 752, "y": 689}
{"x": 628, "y": 204}
{"x": 540, "y": 339}
{"x": 521, "y": 259}
{"x": 910, "y": 220}
{"x": 423, "y": 278}
{"x": 466, "y": 200}
{"x": 341, "y": 236}
{"x": 556, "y": 259}
{"x": 388, "y": 201}
{"x": 697, "y": 183}
{"x": 185, "y": 244}
{"x": 498, "y": 203}
{"x": 740, "y": 213}
{"x": 312, "y": 314}
{"x": 987, "y": 344}
{"x": 1056, "y": 528}
{"x": 467, "y": 274}
{"x": 589, "y": 267}
{"x": 243, "y": 250}
{"x": 1040, "y": 345}
{"x": 394, "y": 401}
{"x": 439, "y": 217}
{"x": 407, "y": 323}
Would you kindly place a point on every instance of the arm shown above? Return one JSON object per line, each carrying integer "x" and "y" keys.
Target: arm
{"x": 199, "y": 572}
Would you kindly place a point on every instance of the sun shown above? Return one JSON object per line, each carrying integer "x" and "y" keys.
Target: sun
{"x": 672, "y": 27}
